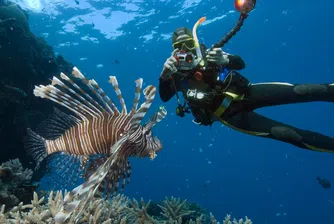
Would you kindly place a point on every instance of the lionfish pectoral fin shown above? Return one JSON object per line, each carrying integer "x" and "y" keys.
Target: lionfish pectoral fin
{"x": 84, "y": 192}
{"x": 35, "y": 146}
{"x": 117, "y": 177}
{"x": 66, "y": 168}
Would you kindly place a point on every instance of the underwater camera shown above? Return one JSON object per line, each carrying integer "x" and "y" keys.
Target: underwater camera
{"x": 186, "y": 60}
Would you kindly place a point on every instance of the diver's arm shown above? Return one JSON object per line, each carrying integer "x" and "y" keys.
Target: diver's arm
{"x": 219, "y": 57}
{"x": 166, "y": 90}
{"x": 166, "y": 86}
{"x": 235, "y": 62}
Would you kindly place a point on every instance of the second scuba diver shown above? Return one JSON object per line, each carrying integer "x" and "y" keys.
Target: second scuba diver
{"x": 214, "y": 90}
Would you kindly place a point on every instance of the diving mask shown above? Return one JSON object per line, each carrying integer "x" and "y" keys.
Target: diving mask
{"x": 187, "y": 44}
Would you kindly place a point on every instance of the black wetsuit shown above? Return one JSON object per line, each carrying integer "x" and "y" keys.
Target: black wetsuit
{"x": 240, "y": 114}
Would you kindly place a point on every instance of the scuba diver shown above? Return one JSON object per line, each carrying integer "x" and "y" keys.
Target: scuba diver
{"x": 214, "y": 90}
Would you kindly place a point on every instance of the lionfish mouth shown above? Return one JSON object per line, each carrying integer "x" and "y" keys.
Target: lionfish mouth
{"x": 155, "y": 148}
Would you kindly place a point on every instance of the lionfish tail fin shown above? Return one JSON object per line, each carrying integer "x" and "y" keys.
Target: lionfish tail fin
{"x": 35, "y": 146}
{"x": 157, "y": 117}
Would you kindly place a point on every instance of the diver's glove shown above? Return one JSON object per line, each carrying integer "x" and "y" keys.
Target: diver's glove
{"x": 217, "y": 56}
{"x": 169, "y": 67}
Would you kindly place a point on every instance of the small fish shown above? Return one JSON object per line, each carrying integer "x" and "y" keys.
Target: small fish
{"x": 324, "y": 182}
{"x": 97, "y": 134}
{"x": 77, "y": 2}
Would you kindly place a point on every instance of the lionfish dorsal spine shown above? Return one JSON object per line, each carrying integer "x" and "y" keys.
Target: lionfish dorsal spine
{"x": 105, "y": 96}
{"x": 81, "y": 99}
{"x": 114, "y": 83}
{"x": 139, "y": 85}
{"x": 149, "y": 93}
{"x": 157, "y": 117}
{"x": 76, "y": 73}
{"x": 63, "y": 99}
{"x": 87, "y": 99}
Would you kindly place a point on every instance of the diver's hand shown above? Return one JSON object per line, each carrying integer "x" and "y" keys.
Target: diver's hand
{"x": 216, "y": 55}
{"x": 169, "y": 67}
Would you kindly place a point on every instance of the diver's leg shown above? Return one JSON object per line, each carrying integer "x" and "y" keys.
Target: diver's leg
{"x": 256, "y": 124}
{"x": 271, "y": 94}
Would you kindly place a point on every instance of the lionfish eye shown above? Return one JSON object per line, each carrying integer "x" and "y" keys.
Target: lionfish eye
{"x": 147, "y": 132}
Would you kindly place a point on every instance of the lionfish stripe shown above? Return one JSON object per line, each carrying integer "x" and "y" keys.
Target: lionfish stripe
{"x": 119, "y": 124}
{"x": 84, "y": 192}
{"x": 139, "y": 85}
{"x": 113, "y": 81}
{"x": 85, "y": 138}
{"x": 76, "y": 73}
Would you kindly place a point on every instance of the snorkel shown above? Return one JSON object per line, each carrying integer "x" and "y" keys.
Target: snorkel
{"x": 196, "y": 42}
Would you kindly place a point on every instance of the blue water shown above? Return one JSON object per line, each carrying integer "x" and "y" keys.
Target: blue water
{"x": 223, "y": 170}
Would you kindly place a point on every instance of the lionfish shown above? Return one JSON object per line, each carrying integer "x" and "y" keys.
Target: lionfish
{"x": 97, "y": 134}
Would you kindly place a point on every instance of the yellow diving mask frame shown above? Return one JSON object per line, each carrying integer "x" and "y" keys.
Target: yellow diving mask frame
{"x": 187, "y": 43}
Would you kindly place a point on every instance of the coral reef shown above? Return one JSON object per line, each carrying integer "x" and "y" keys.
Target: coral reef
{"x": 119, "y": 210}
{"x": 15, "y": 183}
{"x": 18, "y": 206}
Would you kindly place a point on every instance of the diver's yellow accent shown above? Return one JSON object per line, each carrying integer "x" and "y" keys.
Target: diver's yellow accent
{"x": 198, "y": 49}
{"x": 242, "y": 130}
{"x": 201, "y": 20}
{"x": 234, "y": 95}
{"x": 229, "y": 97}
{"x": 184, "y": 43}
{"x": 225, "y": 104}
{"x": 317, "y": 149}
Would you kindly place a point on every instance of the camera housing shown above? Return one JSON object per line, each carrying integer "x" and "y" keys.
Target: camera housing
{"x": 186, "y": 60}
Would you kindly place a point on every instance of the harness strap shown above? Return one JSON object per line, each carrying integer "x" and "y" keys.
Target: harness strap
{"x": 229, "y": 97}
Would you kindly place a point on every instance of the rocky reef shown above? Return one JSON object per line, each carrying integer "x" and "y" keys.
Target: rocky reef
{"x": 25, "y": 60}
{"x": 15, "y": 184}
